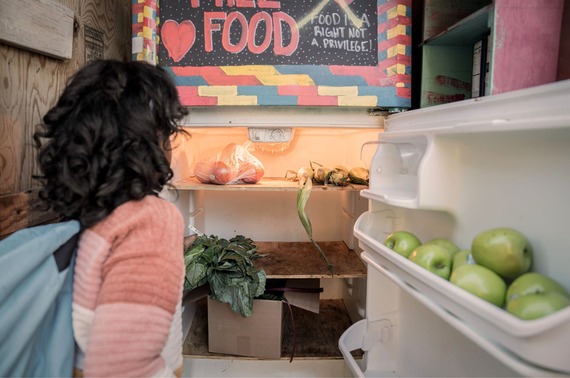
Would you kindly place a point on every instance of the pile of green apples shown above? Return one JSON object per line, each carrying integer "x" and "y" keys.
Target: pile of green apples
{"x": 496, "y": 269}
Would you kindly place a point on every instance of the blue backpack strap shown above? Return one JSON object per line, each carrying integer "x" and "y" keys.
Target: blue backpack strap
{"x": 64, "y": 253}
{"x": 35, "y": 301}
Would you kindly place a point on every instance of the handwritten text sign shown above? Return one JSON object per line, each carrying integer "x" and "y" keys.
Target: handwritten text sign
{"x": 262, "y": 32}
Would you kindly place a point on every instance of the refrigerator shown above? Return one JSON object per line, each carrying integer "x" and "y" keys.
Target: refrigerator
{"x": 267, "y": 211}
{"x": 449, "y": 171}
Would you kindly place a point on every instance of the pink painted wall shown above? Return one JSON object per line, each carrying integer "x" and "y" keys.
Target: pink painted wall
{"x": 527, "y": 38}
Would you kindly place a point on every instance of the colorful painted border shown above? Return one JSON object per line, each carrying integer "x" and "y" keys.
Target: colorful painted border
{"x": 387, "y": 85}
{"x": 144, "y": 38}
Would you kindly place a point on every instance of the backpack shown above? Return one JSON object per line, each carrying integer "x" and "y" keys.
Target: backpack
{"x": 36, "y": 280}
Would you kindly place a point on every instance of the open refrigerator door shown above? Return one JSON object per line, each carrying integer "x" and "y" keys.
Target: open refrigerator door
{"x": 451, "y": 172}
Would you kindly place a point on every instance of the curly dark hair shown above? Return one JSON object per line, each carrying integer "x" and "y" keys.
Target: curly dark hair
{"x": 105, "y": 141}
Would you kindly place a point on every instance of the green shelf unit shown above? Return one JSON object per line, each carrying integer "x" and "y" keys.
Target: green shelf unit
{"x": 523, "y": 39}
{"x": 466, "y": 31}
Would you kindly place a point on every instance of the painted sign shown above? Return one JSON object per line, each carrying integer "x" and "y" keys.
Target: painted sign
{"x": 268, "y": 32}
{"x": 266, "y": 52}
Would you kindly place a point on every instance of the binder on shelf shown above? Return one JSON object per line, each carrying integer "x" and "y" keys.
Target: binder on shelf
{"x": 476, "y": 76}
{"x": 487, "y": 87}
{"x": 481, "y": 59}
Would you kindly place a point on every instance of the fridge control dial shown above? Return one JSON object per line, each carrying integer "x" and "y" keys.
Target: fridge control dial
{"x": 270, "y": 135}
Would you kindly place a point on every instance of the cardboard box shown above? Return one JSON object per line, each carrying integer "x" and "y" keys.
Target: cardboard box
{"x": 259, "y": 335}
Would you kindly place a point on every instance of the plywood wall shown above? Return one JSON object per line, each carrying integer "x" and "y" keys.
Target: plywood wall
{"x": 30, "y": 83}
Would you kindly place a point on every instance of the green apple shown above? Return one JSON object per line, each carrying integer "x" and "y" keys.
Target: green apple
{"x": 535, "y": 306}
{"x": 505, "y": 251}
{"x": 534, "y": 283}
{"x": 534, "y": 295}
{"x": 449, "y": 246}
{"x": 463, "y": 257}
{"x": 433, "y": 258}
{"x": 480, "y": 281}
{"x": 402, "y": 242}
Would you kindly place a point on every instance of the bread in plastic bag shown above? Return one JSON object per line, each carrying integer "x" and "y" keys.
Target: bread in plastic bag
{"x": 233, "y": 165}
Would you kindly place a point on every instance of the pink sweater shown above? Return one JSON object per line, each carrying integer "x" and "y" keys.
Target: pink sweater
{"x": 127, "y": 294}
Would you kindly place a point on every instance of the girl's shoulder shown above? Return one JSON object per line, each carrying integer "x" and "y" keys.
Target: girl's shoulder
{"x": 149, "y": 206}
{"x": 151, "y": 212}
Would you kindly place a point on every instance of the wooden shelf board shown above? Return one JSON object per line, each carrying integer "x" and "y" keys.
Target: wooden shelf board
{"x": 266, "y": 184}
{"x": 465, "y": 32}
{"x": 317, "y": 334}
{"x": 303, "y": 260}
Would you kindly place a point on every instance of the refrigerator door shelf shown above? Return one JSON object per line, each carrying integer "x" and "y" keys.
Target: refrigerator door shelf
{"x": 401, "y": 198}
{"x": 394, "y": 170}
{"x": 543, "y": 342}
{"x": 353, "y": 337}
{"x": 365, "y": 335}
{"x": 539, "y": 107}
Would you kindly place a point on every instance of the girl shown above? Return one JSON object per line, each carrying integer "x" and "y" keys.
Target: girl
{"x": 104, "y": 157}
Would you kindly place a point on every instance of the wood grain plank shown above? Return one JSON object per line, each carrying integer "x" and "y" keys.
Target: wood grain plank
{"x": 31, "y": 83}
{"x": 317, "y": 334}
{"x": 112, "y": 18}
{"x": 265, "y": 184}
{"x": 303, "y": 260}
{"x": 20, "y": 211}
{"x": 44, "y": 26}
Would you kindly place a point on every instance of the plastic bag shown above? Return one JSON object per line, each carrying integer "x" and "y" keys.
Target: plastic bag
{"x": 233, "y": 165}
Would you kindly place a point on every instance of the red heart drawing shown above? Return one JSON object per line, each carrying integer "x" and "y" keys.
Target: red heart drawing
{"x": 178, "y": 39}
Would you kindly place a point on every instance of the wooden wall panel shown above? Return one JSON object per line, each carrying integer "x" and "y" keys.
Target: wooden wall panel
{"x": 30, "y": 84}
{"x": 112, "y": 18}
{"x": 44, "y": 26}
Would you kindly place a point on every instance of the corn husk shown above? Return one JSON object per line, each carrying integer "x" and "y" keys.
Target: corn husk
{"x": 321, "y": 174}
{"x": 305, "y": 174}
{"x": 338, "y": 176}
{"x": 359, "y": 175}
{"x": 303, "y": 194}
{"x": 300, "y": 175}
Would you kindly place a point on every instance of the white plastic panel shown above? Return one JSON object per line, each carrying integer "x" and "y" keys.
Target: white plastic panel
{"x": 497, "y": 161}
{"x": 543, "y": 341}
{"x": 405, "y": 338}
{"x": 394, "y": 170}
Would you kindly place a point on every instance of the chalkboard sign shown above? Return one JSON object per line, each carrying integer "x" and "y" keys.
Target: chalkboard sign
{"x": 288, "y": 52}
{"x": 313, "y": 32}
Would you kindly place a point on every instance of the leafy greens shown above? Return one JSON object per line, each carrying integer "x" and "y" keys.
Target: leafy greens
{"x": 227, "y": 266}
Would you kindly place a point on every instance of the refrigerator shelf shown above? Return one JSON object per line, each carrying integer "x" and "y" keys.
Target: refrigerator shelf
{"x": 331, "y": 322}
{"x": 366, "y": 334}
{"x": 266, "y": 184}
{"x": 401, "y": 198}
{"x": 303, "y": 260}
{"x": 542, "y": 342}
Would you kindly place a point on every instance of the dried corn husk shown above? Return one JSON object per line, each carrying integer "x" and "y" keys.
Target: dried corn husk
{"x": 303, "y": 194}
{"x": 338, "y": 176}
{"x": 302, "y": 197}
{"x": 359, "y": 175}
{"x": 321, "y": 174}
{"x": 305, "y": 174}
{"x": 301, "y": 175}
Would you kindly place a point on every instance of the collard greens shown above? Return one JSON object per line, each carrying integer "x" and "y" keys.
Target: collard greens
{"x": 227, "y": 266}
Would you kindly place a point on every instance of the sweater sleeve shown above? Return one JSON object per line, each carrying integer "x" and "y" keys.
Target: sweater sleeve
{"x": 140, "y": 290}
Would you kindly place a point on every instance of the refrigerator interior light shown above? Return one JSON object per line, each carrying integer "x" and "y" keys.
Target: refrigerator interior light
{"x": 271, "y": 139}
